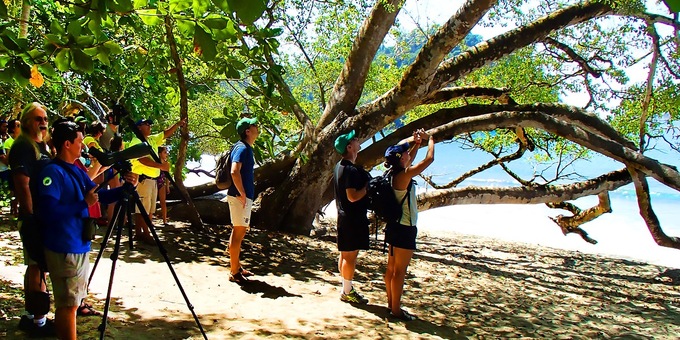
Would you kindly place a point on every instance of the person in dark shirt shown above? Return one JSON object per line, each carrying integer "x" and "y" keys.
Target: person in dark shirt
{"x": 351, "y": 185}
{"x": 241, "y": 194}
{"x": 27, "y": 156}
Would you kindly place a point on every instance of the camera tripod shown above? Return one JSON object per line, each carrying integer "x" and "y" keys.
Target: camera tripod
{"x": 125, "y": 208}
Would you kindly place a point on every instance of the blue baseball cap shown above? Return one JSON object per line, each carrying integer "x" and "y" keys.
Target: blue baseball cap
{"x": 343, "y": 140}
{"x": 394, "y": 152}
{"x": 144, "y": 121}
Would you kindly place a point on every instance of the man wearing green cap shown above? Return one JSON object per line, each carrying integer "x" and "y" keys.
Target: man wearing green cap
{"x": 351, "y": 185}
{"x": 241, "y": 194}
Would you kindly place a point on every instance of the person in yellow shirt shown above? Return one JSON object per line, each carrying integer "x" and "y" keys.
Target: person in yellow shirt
{"x": 148, "y": 170}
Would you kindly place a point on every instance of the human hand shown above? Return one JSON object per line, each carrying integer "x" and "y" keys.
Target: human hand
{"x": 132, "y": 178}
{"x": 182, "y": 122}
{"x": 243, "y": 200}
{"x": 91, "y": 197}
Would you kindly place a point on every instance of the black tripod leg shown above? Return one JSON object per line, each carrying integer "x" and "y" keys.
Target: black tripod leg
{"x": 114, "y": 221}
{"x": 114, "y": 259}
{"x": 163, "y": 252}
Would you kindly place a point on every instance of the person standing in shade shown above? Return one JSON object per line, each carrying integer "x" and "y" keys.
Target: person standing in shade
{"x": 148, "y": 170}
{"x": 64, "y": 194}
{"x": 28, "y": 155}
{"x": 351, "y": 185}
{"x": 401, "y": 234}
{"x": 241, "y": 194}
{"x": 14, "y": 130}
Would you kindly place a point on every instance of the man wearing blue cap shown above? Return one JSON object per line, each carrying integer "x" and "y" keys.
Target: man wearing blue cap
{"x": 241, "y": 194}
{"x": 351, "y": 185}
{"x": 148, "y": 170}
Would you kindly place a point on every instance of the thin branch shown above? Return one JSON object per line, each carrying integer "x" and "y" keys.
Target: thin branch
{"x": 574, "y": 56}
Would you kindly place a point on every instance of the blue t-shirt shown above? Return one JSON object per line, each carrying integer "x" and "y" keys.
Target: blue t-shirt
{"x": 243, "y": 153}
{"x": 61, "y": 207}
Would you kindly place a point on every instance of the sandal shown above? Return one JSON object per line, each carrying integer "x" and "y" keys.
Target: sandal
{"x": 245, "y": 272}
{"x": 87, "y": 310}
{"x": 404, "y": 316}
{"x": 238, "y": 278}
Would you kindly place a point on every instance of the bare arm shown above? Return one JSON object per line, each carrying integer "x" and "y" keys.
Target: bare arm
{"x": 354, "y": 195}
{"x": 402, "y": 180}
{"x": 167, "y": 133}
{"x": 23, "y": 192}
{"x": 151, "y": 163}
{"x": 236, "y": 178}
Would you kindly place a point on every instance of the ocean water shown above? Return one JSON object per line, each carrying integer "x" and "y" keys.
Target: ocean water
{"x": 621, "y": 233}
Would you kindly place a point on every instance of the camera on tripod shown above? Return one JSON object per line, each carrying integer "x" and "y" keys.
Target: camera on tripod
{"x": 120, "y": 160}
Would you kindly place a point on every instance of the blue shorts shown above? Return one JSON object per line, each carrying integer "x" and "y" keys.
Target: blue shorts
{"x": 401, "y": 236}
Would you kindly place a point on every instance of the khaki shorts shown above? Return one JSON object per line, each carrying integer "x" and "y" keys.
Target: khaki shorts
{"x": 240, "y": 215}
{"x": 148, "y": 192}
{"x": 27, "y": 259}
{"x": 68, "y": 273}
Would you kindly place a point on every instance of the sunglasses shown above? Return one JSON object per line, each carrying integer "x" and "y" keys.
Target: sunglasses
{"x": 40, "y": 119}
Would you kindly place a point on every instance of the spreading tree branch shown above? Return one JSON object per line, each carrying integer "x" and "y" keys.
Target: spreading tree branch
{"x": 523, "y": 195}
{"x": 647, "y": 213}
{"x": 572, "y": 224}
{"x": 504, "y": 44}
{"x": 350, "y": 83}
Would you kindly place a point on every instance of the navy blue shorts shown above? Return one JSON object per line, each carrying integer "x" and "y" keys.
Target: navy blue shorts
{"x": 401, "y": 236}
{"x": 353, "y": 234}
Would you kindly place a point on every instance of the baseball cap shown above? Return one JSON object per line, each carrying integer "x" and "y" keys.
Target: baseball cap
{"x": 80, "y": 119}
{"x": 394, "y": 152}
{"x": 244, "y": 124}
{"x": 144, "y": 121}
{"x": 342, "y": 141}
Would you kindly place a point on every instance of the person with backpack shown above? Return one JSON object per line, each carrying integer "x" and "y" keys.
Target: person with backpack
{"x": 241, "y": 194}
{"x": 65, "y": 192}
{"x": 351, "y": 185}
{"x": 401, "y": 234}
{"x": 28, "y": 154}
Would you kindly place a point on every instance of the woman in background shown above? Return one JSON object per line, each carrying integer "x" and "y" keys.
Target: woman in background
{"x": 163, "y": 188}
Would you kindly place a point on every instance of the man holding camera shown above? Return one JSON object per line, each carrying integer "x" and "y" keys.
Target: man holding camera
{"x": 148, "y": 170}
{"x": 65, "y": 193}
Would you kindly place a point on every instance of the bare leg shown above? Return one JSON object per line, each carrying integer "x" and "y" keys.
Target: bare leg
{"x": 237, "y": 235}
{"x": 401, "y": 260}
{"x": 348, "y": 262}
{"x": 65, "y": 322}
{"x": 162, "y": 193}
{"x": 34, "y": 283}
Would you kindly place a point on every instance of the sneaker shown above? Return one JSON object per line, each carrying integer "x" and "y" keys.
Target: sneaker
{"x": 48, "y": 330}
{"x": 353, "y": 297}
{"x": 25, "y": 324}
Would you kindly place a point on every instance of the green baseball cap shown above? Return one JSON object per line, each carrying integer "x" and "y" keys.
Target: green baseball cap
{"x": 244, "y": 124}
{"x": 342, "y": 141}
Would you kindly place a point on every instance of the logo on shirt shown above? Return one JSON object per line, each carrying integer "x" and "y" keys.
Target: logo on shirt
{"x": 47, "y": 181}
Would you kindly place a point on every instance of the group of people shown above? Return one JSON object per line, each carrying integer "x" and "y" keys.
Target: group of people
{"x": 351, "y": 189}
{"x": 59, "y": 191}
{"x": 56, "y": 190}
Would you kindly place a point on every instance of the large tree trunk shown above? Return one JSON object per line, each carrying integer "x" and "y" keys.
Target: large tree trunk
{"x": 193, "y": 215}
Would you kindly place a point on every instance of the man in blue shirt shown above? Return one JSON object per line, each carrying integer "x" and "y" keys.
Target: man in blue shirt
{"x": 241, "y": 194}
{"x": 64, "y": 194}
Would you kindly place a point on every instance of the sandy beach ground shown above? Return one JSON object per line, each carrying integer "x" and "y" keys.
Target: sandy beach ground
{"x": 459, "y": 287}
